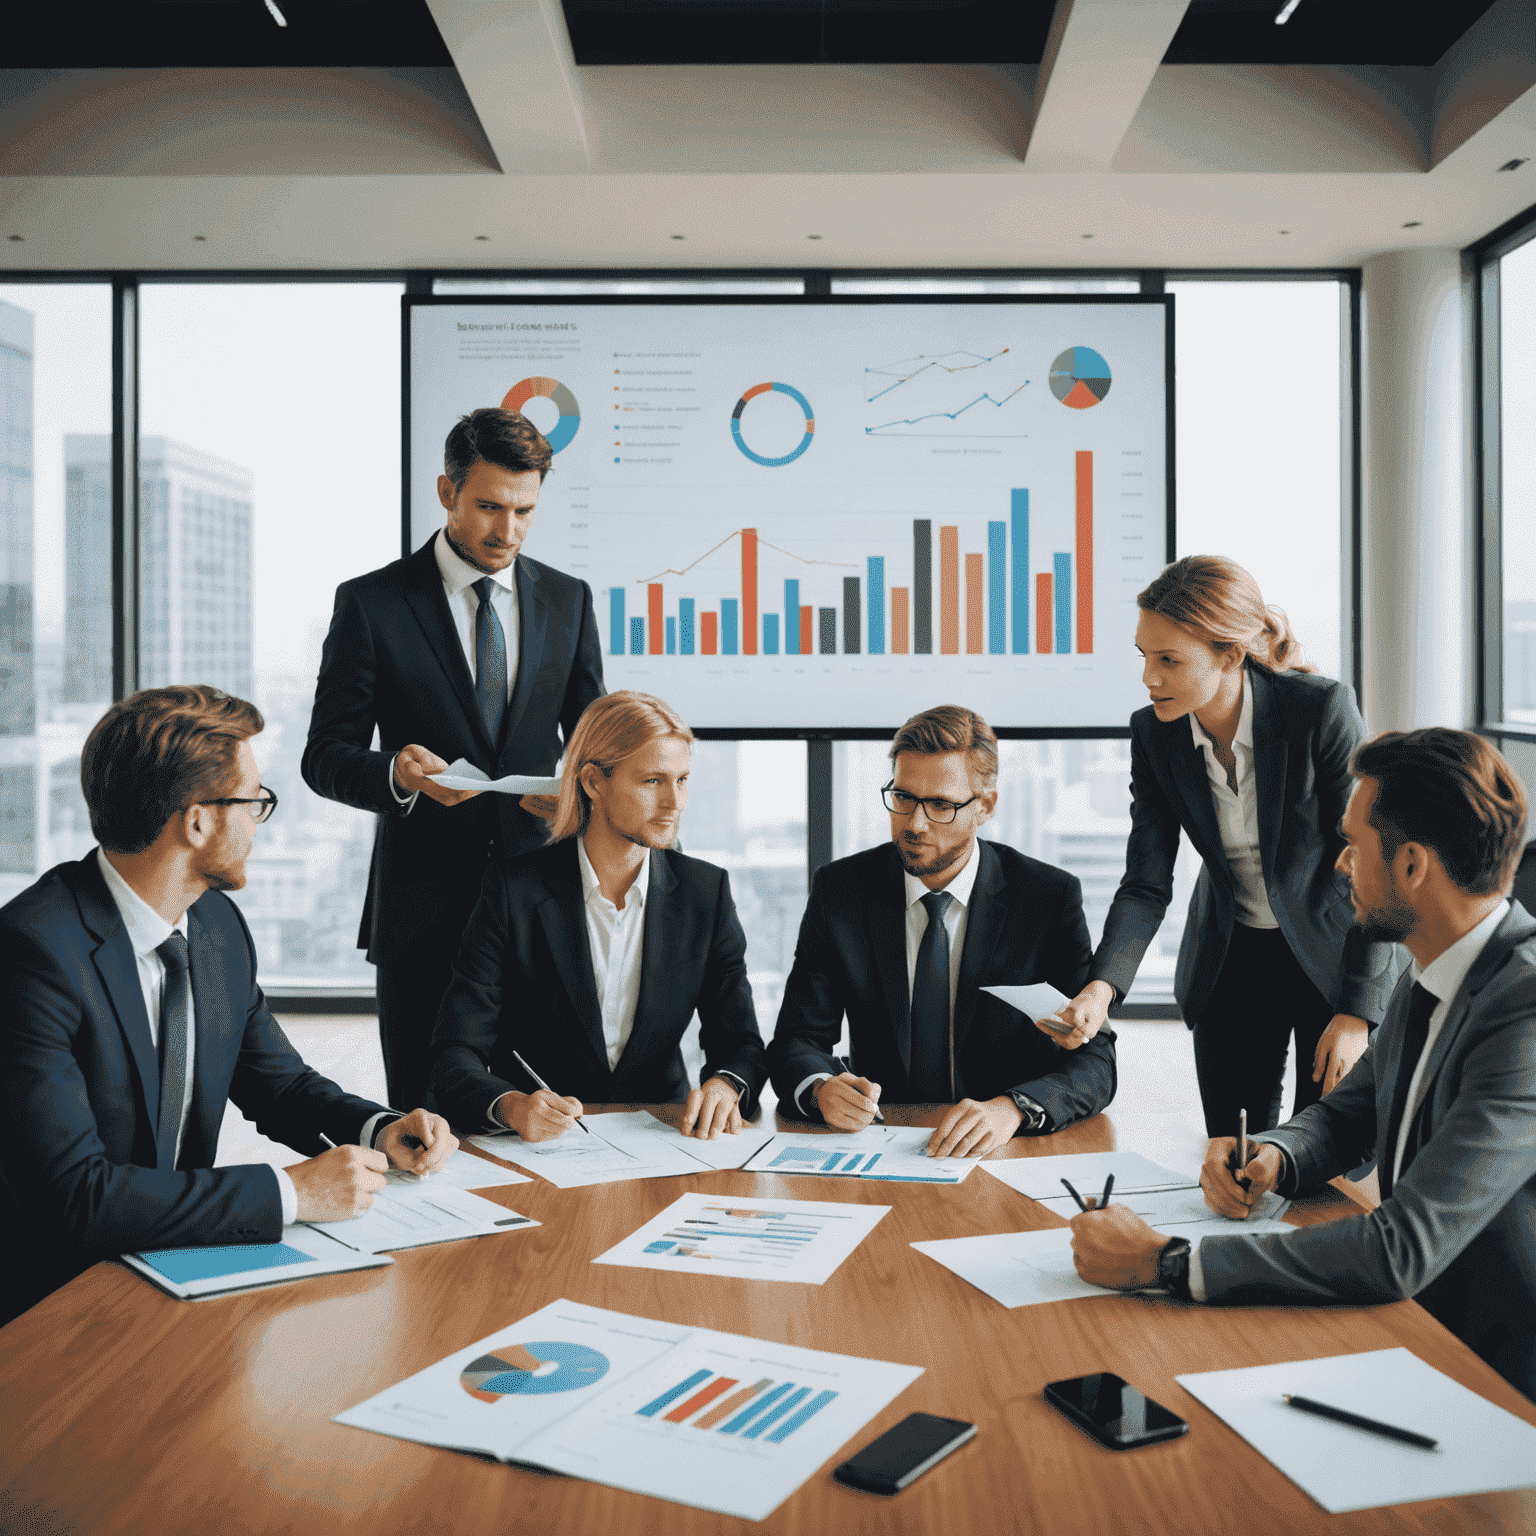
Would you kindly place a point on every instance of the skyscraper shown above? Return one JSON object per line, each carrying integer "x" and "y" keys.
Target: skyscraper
{"x": 18, "y": 671}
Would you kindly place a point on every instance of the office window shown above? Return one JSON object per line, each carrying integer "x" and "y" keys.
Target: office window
{"x": 55, "y": 574}
{"x": 1259, "y": 440}
{"x": 1517, "y": 478}
{"x": 921, "y": 285}
{"x": 270, "y": 472}
{"x": 578, "y": 287}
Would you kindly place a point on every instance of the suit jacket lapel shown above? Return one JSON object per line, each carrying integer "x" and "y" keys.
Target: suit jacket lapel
{"x": 887, "y": 919}
{"x": 1269, "y": 766}
{"x": 533, "y": 622}
{"x": 659, "y": 940}
{"x": 1187, "y": 762}
{"x": 983, "y": 924}
{"x": 564, "y": 921}
{"x": 426, "y": 600}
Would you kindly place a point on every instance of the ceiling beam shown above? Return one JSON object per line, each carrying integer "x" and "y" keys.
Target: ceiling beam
{"x": 1100, "y": 57}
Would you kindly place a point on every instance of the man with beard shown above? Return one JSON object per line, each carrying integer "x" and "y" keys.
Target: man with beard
{"x": 1445, "y": 1096}
{"x": 585, "y": 961}
{"x": 130, "y": 1014}
{"x": 901, "y": 939}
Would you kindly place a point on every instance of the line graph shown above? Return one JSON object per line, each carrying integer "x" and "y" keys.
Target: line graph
{"x": 673, "y": 570}
{"x": 913, "y": 421}
{"x": 904, "y": 371}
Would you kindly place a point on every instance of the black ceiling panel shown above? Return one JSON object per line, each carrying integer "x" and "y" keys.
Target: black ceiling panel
{"x": 1321, "y": 31}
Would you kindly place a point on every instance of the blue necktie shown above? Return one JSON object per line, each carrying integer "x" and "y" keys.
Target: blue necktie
{"x": 928, "y": 1079}
{"x": 173, "y": 1048}
{"x": 490, "y": 661}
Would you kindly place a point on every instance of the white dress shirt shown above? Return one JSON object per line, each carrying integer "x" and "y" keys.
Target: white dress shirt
{"x": 459, "y": 578}
{"x": 1237, "y": 814}
{"x": 616, "y": 938}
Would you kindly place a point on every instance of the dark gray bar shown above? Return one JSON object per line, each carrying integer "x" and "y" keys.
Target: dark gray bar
{"x": 922, "y": 587}
{"x": 851, "y": 623}
{"x": 818, "y": 806}
{"x": 828, "y": 631}
{"x": 125, "y": 488}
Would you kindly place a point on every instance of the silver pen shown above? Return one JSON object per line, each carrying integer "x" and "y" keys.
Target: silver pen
{"x": 545, "y": 1086}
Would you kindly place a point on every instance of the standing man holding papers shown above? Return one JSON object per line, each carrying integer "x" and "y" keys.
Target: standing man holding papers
{"x": 1445, "y": 1096}
{"x": 901, "y": 939}
{"x": 130, "y": 1014}
{"x": 466, "y": 649}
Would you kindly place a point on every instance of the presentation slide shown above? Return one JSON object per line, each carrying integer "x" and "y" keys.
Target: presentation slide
{"x": 826, "y": 516}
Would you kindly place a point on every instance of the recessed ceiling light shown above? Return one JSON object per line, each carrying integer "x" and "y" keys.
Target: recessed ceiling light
{"x": 1413, "y": 224}
{"x": 1512, "y": 165}
{"x": 677, "y": 237}
{"x": 1286, "y": 12}
{"x": 1087, "y": 237}
{"x": 1284, "y": 231}
{"x": 813, "y": 237}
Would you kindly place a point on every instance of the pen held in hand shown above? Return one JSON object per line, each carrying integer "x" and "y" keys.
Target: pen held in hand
{"x": 847, "y": 1066}
{"x": 545, "y": 1086}
{"x": 1359, "y": 1421}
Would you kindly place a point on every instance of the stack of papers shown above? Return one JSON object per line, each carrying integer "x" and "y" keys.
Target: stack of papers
{"x": 893, "y": 1153}
{"x": 636, "y": 1145}
{"x": 712, "y": 1420}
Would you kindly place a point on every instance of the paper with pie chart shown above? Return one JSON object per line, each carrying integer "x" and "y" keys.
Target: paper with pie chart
{"x": 714, "y": 1420}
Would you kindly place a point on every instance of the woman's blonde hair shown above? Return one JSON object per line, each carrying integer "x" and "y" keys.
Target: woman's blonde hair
{"x": 611, "y": 728}
{"x": 1218, "y": 598}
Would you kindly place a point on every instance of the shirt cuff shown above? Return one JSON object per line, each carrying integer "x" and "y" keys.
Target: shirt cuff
{"x": 1196, "y": 1273}
{"x": 289, "y": 1196}
{"x": 493, "y": 1121}
{"x": 406, "y": 800}
{"x": 816, "y": 1077}
{"x": 376, "y": 1123}
{"x": 1288, "y": 1177}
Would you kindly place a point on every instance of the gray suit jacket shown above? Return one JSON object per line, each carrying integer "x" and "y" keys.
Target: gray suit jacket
{"x": 1459, "y": 1230}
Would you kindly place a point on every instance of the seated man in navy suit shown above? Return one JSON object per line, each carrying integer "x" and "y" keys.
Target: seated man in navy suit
{"x": 130, "y": 1013}
{"x": 901, "y": 939}
{"x": 585, "y": 961}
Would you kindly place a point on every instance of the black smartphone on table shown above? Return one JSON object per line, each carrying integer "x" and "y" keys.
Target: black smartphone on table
{"x": 1114, "y": 1412}
{"x": 904, "y": 1452}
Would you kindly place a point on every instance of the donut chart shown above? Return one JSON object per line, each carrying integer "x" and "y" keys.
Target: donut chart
{"x": 534, "y": 1368}
{"x": 1080, "y": 378}
{"x": 799, "y": 448}
{"x": 548, "y": 389}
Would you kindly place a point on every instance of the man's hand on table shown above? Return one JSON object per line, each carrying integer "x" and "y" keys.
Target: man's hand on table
{"x": 1219, "y": 1177}
{"x": 540, "y": 1116}
{"x": 435, "y": 1142}
{"x": 973, "y": 1129}
{"x": 846, "y": 1102}
{"x": 1115, "y": 1247}
{"x": 712, "y": 1108}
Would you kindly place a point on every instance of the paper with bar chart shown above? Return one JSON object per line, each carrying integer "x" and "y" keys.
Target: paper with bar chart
{"x": 713, "y": 1420}
{"x": 800, "y": 1240}
{"x": 802, "y": 516}
{"x": 891, "y": 1154}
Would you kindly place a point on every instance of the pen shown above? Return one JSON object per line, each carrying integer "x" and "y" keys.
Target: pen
{"x": 1075, "y": 1196}
{"x": 542, "y": 1084}
{"x": 847, "y": 1066}
{"x": 327, "y": 1140}
{"x": 1391, "y": 1431}
{"x": 1109, "y": 1184}
{"x": 1242, "y": 1150}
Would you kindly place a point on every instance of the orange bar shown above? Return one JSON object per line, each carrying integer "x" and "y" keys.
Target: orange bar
{"x": 658, "y": 626}
{"x": 749, "y": 591}
{"x": 1084, "y": 554}
{"x": 805, "y": 631}
{"x": 975, "y": 604}
{"x": 698, "y": 1400}
{"x": 722, "y": 1411}
{"x": 899, "y": 636}
{"x": 949, "y": 591}
{"x": 1043, "y": 614}
{"x": 709, "y": 640}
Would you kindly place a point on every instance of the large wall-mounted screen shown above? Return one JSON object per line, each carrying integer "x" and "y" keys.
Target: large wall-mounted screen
{"x": 824, "y": 515}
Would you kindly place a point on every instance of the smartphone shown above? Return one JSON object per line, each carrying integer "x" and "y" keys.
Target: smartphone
{"x": 1111, "y": 1410}
{"x": 903, "y": 1453}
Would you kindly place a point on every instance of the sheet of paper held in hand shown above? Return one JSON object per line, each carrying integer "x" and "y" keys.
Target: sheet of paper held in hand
{"x": 893, "y": 1153}
{"x": 1040, "y": 1000}
{"x": 713, "y": 1420}
{"x": 799, "y": 1240}
{"x": 629, "y": 1145}
{"x": 464, "y": 775}
{"x": 1482, "y": 1449}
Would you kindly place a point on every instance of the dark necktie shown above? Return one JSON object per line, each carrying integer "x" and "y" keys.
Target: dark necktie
{"x": 928, "y": 1080}
{"x": 490, "y": 661}
{"x": 1421, "y": 1003}
{"x": 173, "y": 1048}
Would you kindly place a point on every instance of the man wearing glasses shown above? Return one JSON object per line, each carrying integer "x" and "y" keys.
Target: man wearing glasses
{"x": 130, "y": 1013}
{"x": 900, "y": 939}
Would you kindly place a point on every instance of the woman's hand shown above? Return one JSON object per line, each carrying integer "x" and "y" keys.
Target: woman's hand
{"x": 1084, "y": 1016}
{"x": 1342, "y": 1045}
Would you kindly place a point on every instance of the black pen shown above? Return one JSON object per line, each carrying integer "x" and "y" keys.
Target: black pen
{"x": 1109, "y": 1184}
{"x": 1080, "y": 1205}
{"x": 1376, "y": 1427}
{"x": 847, "y": 1066}
{"x": 542, "y": 1084}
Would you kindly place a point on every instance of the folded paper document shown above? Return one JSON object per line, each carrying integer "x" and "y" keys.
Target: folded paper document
{"x": 464, "y": 775}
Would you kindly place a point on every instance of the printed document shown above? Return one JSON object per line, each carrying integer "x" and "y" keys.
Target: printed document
{"x": 894, "y": 1153}
{"x": 1040, "y": 1177}
{"x": 412, "y": 1216}
{"x": 1040, "y": 1000}
{"x": 461, "y": 1171}
{"x": 463, "y": 774}
{"x": 193, "y": 1273}
{"x": 1162, "y": 1208}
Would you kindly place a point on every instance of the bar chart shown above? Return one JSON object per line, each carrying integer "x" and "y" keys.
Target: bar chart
{"x": 763, "y": 1409}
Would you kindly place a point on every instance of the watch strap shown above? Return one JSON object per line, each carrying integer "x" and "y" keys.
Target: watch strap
{"x": 1173, "y": 1266}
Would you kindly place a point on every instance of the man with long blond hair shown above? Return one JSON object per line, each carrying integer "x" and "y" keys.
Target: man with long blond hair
{"x": 587, "y": 958}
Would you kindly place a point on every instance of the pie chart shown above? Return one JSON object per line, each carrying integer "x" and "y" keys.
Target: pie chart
{"x": 549, "y": 389}
{"x": 532, "y": 1368}
{"x": 1080, "y": 378}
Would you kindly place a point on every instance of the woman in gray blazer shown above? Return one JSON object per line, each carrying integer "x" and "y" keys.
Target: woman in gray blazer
{"x": 1246, "y": 750}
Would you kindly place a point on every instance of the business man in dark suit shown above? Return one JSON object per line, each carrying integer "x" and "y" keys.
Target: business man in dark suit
{"x": 466, "y": 649}
{"x": 1445, "y": 1096}
{"x": 130, "y": 1013}
{"x": 901, "y": 938}
{"x": 588, "y": 958}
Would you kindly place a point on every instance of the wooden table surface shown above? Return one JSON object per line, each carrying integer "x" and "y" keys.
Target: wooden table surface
{"x": 128, "y": 1411}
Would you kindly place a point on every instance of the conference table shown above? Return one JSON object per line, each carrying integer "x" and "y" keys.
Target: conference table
{"x": 126, "y": 1410}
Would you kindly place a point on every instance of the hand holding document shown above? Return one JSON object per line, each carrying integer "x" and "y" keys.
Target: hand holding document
{"x": 462, "y": 774}
{"x": 1041, "y": 1001}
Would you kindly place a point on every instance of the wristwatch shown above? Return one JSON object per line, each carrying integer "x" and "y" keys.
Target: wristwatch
{"x": 1173, "y": 1266}
{"x": 1034, "y": 1115}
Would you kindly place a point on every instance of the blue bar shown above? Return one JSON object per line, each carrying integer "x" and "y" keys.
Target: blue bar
{"x": 877, "y": 605}
{"x": 1063, "y": 605}
{"x": 751, "y": 1411}
{"x": 770, "y": 634}
{"x": 791, "y": 618}
{"x": 616, "y": 620}
{"x": 654, "y": 1407}
{"x": 853, "y": 1162}
{"x": 671, "y": 637}
{"x": 997, "y": 588}
{"x": 685, "y": 625}
{"x": 637, "y": 637}
{"x": 1021, "y": 573}
{"x": 871, "y": 1160}
{"x": 790, "y": 1425}
{"x": 759, "y": 1425}
{"x": 832, "y": 1162}
{"x": 728, "y": 610}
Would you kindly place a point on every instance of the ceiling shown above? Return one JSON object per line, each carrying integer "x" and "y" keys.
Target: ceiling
{"x": 950, "y": 133}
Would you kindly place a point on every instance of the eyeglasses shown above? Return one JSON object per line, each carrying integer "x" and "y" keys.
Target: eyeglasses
{"x": 261, "y": 807}
{"x": 899, "y": 803}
